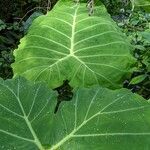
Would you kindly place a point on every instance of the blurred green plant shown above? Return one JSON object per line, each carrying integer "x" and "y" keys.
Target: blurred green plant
{"x": 137, "y": 28}
{"x": 15, "y": 19}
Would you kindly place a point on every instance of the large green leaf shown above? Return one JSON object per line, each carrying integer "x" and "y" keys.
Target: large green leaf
{"x": 95, "y": 119}
{"x": 68, "y": 44}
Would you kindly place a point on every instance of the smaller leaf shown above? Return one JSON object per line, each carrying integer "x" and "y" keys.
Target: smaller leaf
{"x": 138, "y": 79}
{"x": 2, "y": 25}
{"x": 140, "y": 47}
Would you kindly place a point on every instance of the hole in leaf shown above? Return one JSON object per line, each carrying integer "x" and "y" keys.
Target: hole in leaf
{"x": 64, "y": 94}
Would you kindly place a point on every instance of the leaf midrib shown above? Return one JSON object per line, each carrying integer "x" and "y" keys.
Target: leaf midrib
{"x": 36, "y": 140}
{"x": 73, "y": 31}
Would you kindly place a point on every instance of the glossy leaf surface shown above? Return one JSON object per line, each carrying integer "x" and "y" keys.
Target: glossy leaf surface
{"x": 96, "y": 118}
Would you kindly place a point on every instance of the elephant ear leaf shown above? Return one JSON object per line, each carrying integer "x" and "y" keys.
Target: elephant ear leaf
{"x": 96, "y": 118}
{"x": 68, "y": 44}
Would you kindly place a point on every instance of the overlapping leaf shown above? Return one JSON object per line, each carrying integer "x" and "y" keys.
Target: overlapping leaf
{"x": 96, "y": 118}
{"x": 67, "y": 44}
